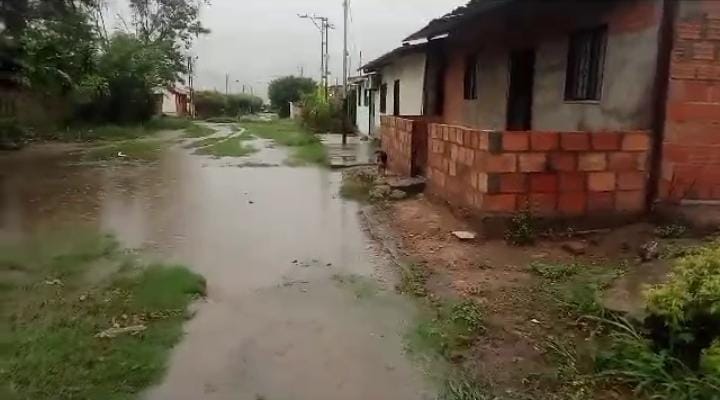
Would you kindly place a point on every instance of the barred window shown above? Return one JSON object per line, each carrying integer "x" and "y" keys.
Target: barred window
{"x": 586, "y": 60}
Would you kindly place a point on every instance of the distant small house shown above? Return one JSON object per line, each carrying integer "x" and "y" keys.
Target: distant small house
{"x": 390, "y": 85}
{"x": 174, "y": 101}
{"x": 566, "y": 108}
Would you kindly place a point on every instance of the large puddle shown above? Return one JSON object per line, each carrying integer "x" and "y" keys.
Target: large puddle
{"x": 273, "y": 242}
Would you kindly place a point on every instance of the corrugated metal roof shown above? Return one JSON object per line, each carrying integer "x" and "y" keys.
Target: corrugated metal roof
{"x": 449, "y": 21}
{"x": 387, "y": 57}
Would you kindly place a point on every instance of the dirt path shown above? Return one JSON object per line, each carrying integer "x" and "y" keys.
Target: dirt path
{"x": 297, "y": 306}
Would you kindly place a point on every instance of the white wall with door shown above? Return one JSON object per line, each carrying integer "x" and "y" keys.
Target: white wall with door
{"x": 406, "y": 76}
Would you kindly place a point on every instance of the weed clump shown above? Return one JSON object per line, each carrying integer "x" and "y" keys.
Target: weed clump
{"x": 676, "y": 354}
{"x": 522, "y": 230}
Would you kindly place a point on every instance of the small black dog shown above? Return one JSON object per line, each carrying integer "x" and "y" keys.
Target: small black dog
{"x": 381, "y": 159}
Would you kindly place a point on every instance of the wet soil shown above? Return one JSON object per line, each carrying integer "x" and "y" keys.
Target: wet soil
{"x": 522, "y": 321}
{"x": 272, "y": 243}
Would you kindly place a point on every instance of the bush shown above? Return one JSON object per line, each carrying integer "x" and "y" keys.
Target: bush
{"x": 677, "y": 356}
{"x": 212, "y": 104}
{"x": 685, "y": 312}
{"x": 321, "y": 115}
{"x": 10, "y": 130}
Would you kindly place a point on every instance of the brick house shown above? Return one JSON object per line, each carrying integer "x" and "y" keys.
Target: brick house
{"x": 569, "y": 107}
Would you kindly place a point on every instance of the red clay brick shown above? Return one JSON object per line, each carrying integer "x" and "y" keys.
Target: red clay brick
{"x": 543, "y": 183}
{"x": 703, "y": 51}
{"x": 542, "y": 203}
{"x": 592, "y": 162}
{"x": 573, "y": 203}
{"x": 631, "y": 181}
{"x": 563, "y": 162}
{"x": 623, "y": 161}
{"x": 601, "y": 181}
{"x": 532, "y": 162}
{"x": 572, "y": 182}
{"x": 501, "y": 163}
{"x": 459, "y": 136}
{"x": 606, "y": 141}
{"x": 515, "y": 141}
{"x": 575, "y": 141}
{"x": 683, "y": 70}
{"x": 482, "y": 182}
{"x": 600, "y": 202}
{"x": 630, "y": 201}
{"x": 544, "y": 141}
{"x": 500, "y": 203}
{"x": 513, "y": 183}
{"x": 639, "y": 141}
{"x": 689, "y": 30}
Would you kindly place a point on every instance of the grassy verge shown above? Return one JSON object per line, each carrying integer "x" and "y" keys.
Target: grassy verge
{"x": 231, "y": 147}
{"x": 111, "y": 132}
{"x": 128, "y": 150}
{"x": 82, "y": 319}
{"x": 577, "y": 288}
{"x": 198, "y": 131}
{"x": 442, "y": 334}
{"x": 306, "y": 147}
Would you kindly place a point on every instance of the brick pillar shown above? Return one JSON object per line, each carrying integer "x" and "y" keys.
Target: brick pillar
{"x": 691, "y": 147}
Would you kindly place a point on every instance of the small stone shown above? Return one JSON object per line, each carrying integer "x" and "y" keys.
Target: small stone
{"x": 251, "y": 202}
{"x": 575, "y": 248}
{"x": 294, "y": 261}
{"x": 398, "y": 195}
{"x": 650, "y": 251}
{"x": 465, "y": 235}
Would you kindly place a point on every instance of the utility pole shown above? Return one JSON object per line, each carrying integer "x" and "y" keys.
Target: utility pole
{"x": 346, "y": 10}
{"x": 191, "y": 84}
{"x": 227, "y": 84}
{"x": 323, "y": 24}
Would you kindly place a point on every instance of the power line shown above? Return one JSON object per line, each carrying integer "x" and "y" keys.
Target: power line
{"x": 323, "y": 24}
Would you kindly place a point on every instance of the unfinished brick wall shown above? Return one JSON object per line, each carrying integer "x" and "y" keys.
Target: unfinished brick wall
{"x": 550, "y": 173}
{"x": 691, "y": 147}
{"x": 405, "y": 140}
{"x": 396, "y": 138}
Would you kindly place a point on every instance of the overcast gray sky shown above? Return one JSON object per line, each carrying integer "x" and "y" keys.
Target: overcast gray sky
{"x": 258, "y": 40}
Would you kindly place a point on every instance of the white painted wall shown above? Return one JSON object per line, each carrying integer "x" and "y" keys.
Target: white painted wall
{"x": 169, "y": 107}
{"x": 362, "y": 119}
{"x": 410, "y": 71}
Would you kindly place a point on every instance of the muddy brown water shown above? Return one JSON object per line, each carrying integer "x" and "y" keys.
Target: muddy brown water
{"x": 271, "y": 242}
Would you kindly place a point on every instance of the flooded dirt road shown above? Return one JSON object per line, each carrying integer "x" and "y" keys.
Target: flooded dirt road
{"x": 300, "y": 304}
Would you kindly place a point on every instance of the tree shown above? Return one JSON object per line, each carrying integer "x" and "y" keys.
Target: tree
{"x": 289, "y": 89}
{"x": 171, "y": 24}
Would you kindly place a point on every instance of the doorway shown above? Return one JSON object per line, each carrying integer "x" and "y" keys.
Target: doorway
{"x": 520, "y": 95}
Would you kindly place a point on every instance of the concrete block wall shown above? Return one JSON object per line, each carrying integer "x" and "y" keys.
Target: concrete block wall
{"x": 691, "y": 146}
{"x": 557, "y": 174}
{"x": 397, "y": 139}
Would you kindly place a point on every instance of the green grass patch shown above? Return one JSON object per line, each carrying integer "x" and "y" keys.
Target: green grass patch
{"x": 82, "y": 319}
{"x": 413, "y": 279}
{"x": 577, "y": 288}
{"x": 120, "y": 132}
{"x": 447, "y": 329}
{"x": 307, "y": 148}
{"x": 198, "y": 131}
{"x": 231, "y": 147}
{"x": 168, "y": 124}
{"x": 221, "y": 120}
{"x": 130, "y": 150}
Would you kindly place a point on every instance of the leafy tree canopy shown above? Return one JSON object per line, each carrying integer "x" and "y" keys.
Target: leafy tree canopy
{"x": 288, "y": 89}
